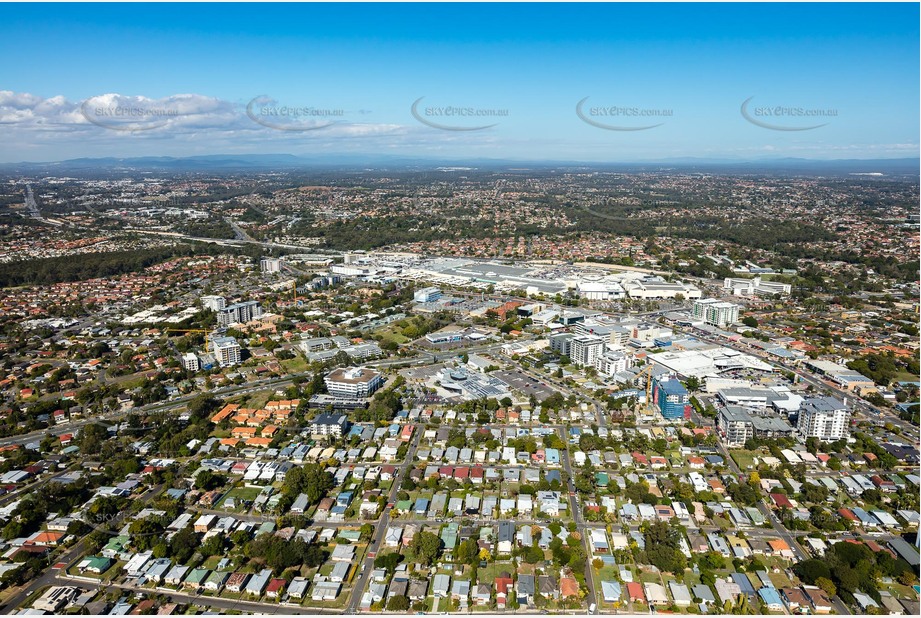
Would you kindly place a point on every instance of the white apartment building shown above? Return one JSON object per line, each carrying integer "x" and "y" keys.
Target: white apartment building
{"x": 716, "y": 312}
{"x": 735, "y": 425}
{"x": 190, "y": 361}
{"x": 561, "y": 343}
{"x": 825, "y": 418}
{"x": 214, "y": 303}
{"x": 226, "y": 351}
{"x": 270, "y": 265}
{"x": 615, "y": 335}
{"x": 611, "y": 362}
{"x": 329, "y": 425}
{"x": 585, "y": 350}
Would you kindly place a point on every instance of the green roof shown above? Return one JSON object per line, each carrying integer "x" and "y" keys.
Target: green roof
{"x": 350, "y": 535}
{"x": 196, "y": 576}
{"x": 450, "y": 538}
{"x": 218, "y": 577}
{"x": 404, "y": 505}
{"x": 117, "y": 543}
{"x": 99, "y": 562}
{"x": 267, "y": 526}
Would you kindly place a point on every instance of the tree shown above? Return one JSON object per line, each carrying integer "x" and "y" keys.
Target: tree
{"x": 810, "y": 571}
{"x": 750, "y": 321}
{"x": 310, "y": 479}
{"x": 663, "y": 547}
{"x": 207, "y": 480}
{"x": 398, "y": 603}
{"x": 203, "y": 405}
{"x": 425, "y": 546}
{"x": 388, "y": 562}
{"x": 827, "y": 585}
{"x": 468, "y": 552}
{"x": 533, "y": 554}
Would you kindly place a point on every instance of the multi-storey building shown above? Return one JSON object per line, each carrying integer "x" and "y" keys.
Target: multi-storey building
{"x": 214, "y": 303}
{"x": 561, "y": 343}
{"x": 190, "y": 361}
{"x": 270, "y": 265}
{"x": 329, "y": 425}
{"x": 426, "y": 295}
{"x": 672, "y": 398}
{"x": 611, "y": 362}
{"x": 226, "y": 351}
{"x": 825, "y": 418}
{"x": 716, "y": 312}
{"x": 239, "y": 312}
{"x": 353, "y": 382}
{"x": 585, "y": 349}
{"x": 756, "y": 286}
{"x": 735, "y": 426}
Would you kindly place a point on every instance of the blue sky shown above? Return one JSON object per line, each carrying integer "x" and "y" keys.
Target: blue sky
{"x": 105, "y": 80}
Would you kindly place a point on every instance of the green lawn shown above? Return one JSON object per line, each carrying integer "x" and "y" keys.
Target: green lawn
{"x": 744, "y": 459}
{"x": 491, "y": 571}
{"x": 211, "y": 562}
{"x": 649, "y": 577}
{"x": 391, "y": 332}
{"x": 298, "y": 364}
{"x": 780, "y": 580}
{"x": 256, "y": 400}
{"x": 609, "y": 573}
{"x": 242, "y": 493}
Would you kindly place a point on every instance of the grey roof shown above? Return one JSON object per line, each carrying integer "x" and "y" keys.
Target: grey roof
{"x": 525, "y": 584}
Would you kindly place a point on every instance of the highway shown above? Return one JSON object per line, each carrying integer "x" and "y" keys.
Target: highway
{"x": 32, "y": 205}
{"x": 425, "y": 358}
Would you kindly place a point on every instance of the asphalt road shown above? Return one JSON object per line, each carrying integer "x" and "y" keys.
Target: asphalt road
{"x": 592, "y": 596}
{"x": 375, "y": 545}
{"x": 779, "y": 529}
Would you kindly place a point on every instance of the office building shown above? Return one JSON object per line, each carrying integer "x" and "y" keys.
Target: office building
{"x": 656, "y": 288}
{"x": 353, "y": 382}
{"x": 600, "y": 290}
{"x": 756, "y": 286}
{"x": 672, "y": 398}
{"x": 426, "y": 295}
{"x": 239, "y": 313}
{"x": 214, "y": 303}
{"x": 825, "y": 418}
{"x": 715, "y": 312}
{"x": 226, "y": 351}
